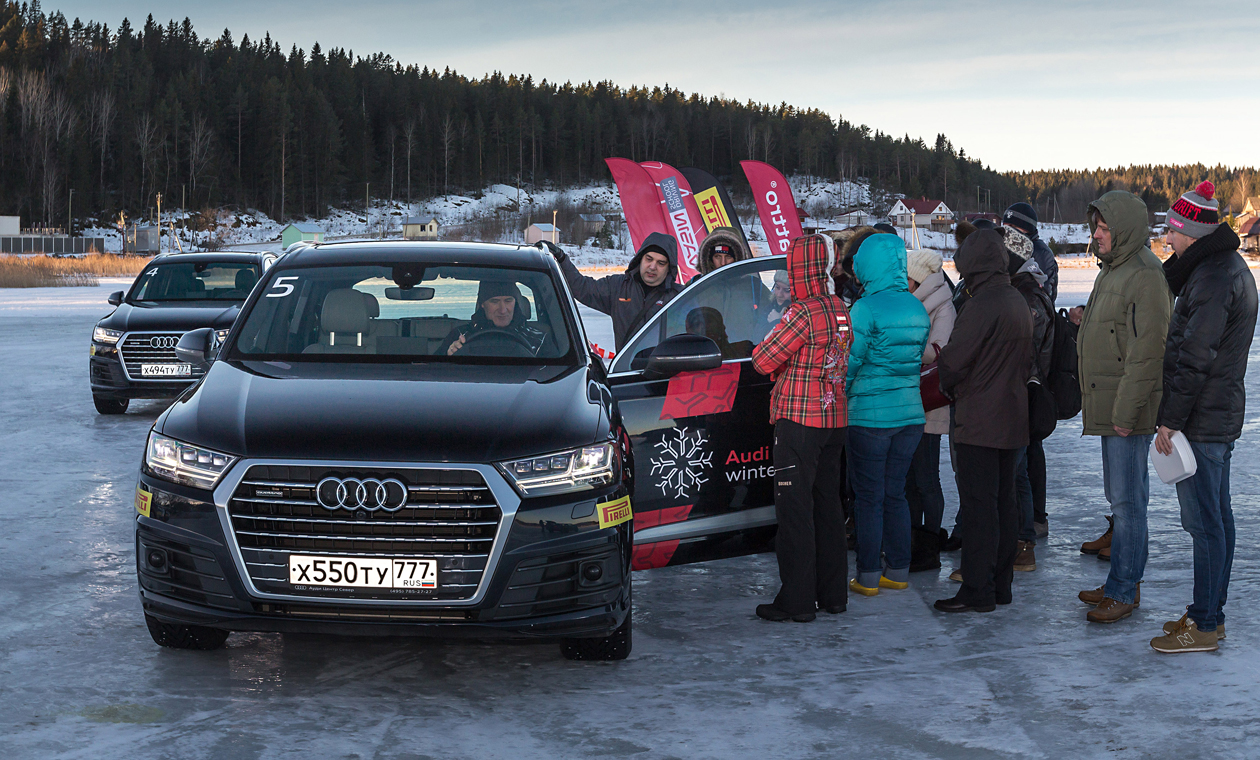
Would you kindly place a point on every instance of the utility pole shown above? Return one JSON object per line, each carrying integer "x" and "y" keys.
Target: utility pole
{"x": 553, "y": 227}
{"x": 70, "y": 215}
{"x": 159, "y": 221}
{"x": 367, "y": 219}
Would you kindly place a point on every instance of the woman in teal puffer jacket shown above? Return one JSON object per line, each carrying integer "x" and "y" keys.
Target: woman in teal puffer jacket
{"x": 890, "y": 328}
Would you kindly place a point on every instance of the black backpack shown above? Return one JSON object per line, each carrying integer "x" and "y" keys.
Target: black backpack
{"x": 1063, "y": 382}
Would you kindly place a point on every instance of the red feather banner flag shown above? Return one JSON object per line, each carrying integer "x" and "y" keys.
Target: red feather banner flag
{"x": 775, "y": 205}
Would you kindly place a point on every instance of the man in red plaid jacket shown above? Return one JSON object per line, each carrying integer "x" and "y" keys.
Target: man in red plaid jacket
{"x": 808, "y": 352}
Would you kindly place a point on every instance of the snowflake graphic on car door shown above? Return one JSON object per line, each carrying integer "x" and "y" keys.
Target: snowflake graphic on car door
{"x": 680, "y": 463}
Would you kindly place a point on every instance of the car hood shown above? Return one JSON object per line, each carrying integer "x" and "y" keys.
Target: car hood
{"x": 133, "y": 317}
{"x": 383, "y": 412}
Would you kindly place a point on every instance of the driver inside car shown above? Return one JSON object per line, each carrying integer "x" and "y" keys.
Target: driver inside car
{"x": 502, "y": 309}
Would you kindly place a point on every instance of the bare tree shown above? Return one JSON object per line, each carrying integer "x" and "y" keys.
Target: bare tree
{"x": 147, "y": 142}
{"x": 198, "y": 149}
{"x": 409, "y": 137}
{"x": 447, "y": 136}
{"x": 101, "y": 115}
{"x": 750, "y": 139}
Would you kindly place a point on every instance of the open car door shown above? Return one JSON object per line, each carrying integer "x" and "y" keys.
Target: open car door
{"x": 702, "y": 440}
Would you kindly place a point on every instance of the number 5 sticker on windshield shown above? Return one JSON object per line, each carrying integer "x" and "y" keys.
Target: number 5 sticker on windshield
{"x": 283, "y": 287}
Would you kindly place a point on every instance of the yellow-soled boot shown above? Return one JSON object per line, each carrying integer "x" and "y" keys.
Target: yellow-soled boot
{"x": 898, "y": 585}
{"x": 858, "y": 588}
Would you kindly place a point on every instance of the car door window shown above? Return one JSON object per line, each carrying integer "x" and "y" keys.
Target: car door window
{"x": 736, "y": 307}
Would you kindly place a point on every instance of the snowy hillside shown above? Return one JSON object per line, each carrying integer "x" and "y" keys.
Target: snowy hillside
{"x": 500, "y": 213}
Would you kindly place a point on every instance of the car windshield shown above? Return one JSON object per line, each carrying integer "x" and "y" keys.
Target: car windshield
{"x": 196, "y": 281}
{"x": 407, "y": 313}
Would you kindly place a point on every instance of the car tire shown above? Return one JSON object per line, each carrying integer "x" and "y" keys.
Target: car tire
{"x": 109, "y": 405}
{"x": 178, "y": 636}
{"x": 614, "y": 647}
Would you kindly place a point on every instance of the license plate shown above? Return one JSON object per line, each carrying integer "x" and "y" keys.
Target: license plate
{"x": 165, "y": 370}
{"x": 362, "y": 572}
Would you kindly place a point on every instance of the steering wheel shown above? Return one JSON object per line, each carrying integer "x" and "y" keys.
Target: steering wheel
{"x": 497, "y": 342}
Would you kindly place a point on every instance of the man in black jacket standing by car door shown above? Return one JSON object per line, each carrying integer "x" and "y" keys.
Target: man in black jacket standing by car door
{"x": 1205, "y": 362}
{"x": 631, "y": 298}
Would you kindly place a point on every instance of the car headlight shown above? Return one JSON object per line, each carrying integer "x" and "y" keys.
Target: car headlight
{"x": 184, "y": 463}
{"x": 105, "y": 335}
{"x": 578, "y": 470}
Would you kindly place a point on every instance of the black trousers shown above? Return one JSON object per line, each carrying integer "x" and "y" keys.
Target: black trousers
{"x": 810, "y": 545}
{"x": 1037, "y": 479}
{"x": 988, "y": 516}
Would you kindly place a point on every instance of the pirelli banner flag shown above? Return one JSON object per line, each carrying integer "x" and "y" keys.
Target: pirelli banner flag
{"x": 640, "y": 201}
{"x": 716, "y": 208}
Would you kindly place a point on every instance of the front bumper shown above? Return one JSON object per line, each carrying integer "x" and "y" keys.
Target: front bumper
{"x": 109, "y": 381}
{"x": 533, "y": 586}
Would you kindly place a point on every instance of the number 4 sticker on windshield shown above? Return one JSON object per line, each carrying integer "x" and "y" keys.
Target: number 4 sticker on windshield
{"x": 283, "y": 287}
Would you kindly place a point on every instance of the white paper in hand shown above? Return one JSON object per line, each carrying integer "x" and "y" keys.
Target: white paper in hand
{"x": 1177, "y": 466}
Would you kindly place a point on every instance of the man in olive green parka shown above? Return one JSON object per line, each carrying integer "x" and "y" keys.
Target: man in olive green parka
{"x": 1120, "y": 349}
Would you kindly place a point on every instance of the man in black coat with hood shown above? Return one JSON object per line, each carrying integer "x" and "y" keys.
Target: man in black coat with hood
{"x": 631, "y": 298}
{"x": 1205, "y": 363}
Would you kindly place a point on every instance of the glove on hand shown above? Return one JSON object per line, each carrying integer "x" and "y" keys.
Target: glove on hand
{"x": 552, "y": 248}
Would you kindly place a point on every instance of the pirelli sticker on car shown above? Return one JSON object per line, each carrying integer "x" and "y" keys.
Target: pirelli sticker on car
{"x": 144, "y": 499}
{"x": 614, "y": 512}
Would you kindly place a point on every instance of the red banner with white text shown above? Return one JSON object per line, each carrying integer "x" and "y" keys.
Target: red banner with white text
{"x": 681, "y": 212}
{"x": 775, "y": 205}
{"x": 640, "y": 201}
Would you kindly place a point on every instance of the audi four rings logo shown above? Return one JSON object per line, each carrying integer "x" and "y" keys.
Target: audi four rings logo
{"x": 369, "y": 493}
{"x": 163, "y": 341}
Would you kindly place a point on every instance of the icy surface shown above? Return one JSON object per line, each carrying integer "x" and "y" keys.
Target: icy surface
{"x": 890, "y": 678}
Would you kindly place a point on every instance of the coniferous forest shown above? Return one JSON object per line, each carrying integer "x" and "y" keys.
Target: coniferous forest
{"x": 117, "y": 115}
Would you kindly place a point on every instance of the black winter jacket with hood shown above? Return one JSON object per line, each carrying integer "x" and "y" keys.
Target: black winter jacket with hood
{"x": 625, "y": 297}
{"x": 1209, "y": 338}
{"x": 987, "y": 363}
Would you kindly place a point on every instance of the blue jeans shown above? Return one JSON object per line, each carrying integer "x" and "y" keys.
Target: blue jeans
{"x": 1127, "y": 487}
{"x": 879, "y": 459}
{"x": 1208, "y": 518}
{"x": 1024, "y": 496}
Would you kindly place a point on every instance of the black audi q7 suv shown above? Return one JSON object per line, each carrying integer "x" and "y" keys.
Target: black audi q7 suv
{"x": 133, "y": 349}
{"x": 399, "y": 438}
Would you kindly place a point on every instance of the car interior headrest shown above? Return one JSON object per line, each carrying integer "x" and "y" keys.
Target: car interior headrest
{"x": 373, "y": 305}
{"x": 246, "y": 279}
{"x": 345, "y": 311}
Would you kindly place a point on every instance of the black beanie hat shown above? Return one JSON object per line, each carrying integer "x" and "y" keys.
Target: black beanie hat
{"x": 886, "y": 227}
{"x": 488, "y": 289}
{"x": 1022, "y": 216}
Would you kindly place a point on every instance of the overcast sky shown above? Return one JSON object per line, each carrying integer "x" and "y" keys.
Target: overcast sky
{"x": 1020, "y": 85}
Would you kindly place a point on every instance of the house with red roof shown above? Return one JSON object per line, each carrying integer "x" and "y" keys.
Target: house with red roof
{"x": 921, "y": 213}
{"x": 1249, "y": 232}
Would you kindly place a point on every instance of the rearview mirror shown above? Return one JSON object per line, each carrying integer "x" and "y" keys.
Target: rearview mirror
{"x": 196, "y": 347}
{"x": 409, "y": 294}
{"x": 116, "y": 297}
{"x": 682, "y": 353}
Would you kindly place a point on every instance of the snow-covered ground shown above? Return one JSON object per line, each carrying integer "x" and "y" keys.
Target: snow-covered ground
{"x": 890, "y": 678}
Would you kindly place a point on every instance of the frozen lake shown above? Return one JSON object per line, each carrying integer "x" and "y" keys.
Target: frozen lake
{"x": 79, "y": 676}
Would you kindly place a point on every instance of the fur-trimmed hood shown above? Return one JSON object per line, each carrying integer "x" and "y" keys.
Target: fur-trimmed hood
{"x": 727, "y": 236}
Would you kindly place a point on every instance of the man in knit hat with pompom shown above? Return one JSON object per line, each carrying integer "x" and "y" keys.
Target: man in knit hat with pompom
{"x": 1205, "y": 362}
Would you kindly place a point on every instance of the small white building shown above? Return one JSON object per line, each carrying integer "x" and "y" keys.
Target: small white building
{"x": 919, "y": 213}
{"x": 420, "y": 228}
{"x": 540, "y": 231}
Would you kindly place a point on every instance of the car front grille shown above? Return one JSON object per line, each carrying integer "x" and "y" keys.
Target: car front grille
{"x": 153, "y": 348}
{"x": 450, "y": 515}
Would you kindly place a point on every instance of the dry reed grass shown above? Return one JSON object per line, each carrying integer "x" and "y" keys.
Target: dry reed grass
{"x": 68, "y": 271}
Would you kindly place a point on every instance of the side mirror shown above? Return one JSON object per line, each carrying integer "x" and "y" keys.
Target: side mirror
{"x": 682, "y": 353}
{"x": 116, "y": 297}
{"x": 196, "y": 347}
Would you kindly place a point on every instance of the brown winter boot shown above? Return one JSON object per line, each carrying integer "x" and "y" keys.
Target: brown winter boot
{"x": 1026, "y": 559}
{"x": 1095, "y": 596}
{"x": 1102, "y": 542}
{"x": 1187, "y": 638}
{"x": 1173, "y": 626}
{"x": 1104, "y": 555}
{"x": 1109, "y": 611}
